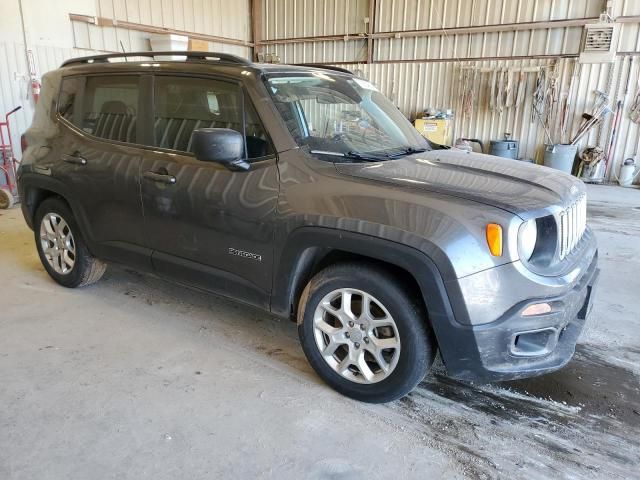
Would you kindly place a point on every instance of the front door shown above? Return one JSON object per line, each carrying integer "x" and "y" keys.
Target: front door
{"x": 101, "y": 163}
{"x": 209, "y": 226}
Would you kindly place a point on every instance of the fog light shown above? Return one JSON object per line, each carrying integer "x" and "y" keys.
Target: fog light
{"x": 536, "y": 309}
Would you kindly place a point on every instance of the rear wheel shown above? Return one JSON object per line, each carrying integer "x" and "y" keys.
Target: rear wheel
{"x": 6, "y": 199}
{"x": 363, "y": 333}
{"x": 61, "y": 247}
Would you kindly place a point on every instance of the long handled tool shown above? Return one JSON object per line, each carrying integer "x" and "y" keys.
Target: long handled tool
{"x": 600, "y": 110}
{"x": 616, "y": 125}
{"x": 634, "y": 110}
{"x": 545, "y": 127}
{"x": 566, "y": 105}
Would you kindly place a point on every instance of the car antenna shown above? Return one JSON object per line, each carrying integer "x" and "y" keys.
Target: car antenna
{"x": 123, "y": 50}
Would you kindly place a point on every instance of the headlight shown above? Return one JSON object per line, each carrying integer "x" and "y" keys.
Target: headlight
{"x": 527, "y": 237}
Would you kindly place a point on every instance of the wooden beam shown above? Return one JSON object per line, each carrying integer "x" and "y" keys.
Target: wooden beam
{"x": 628, "y": 19}
{"x": 322, "y": 38}
{"x": 506, "y": 27}
{"x": 74, "y": 17}
{"x": 472, "y": 59}
{"x": 493, "y": 28}
{"x": 455, "y": 60}
{"x": 110, "y": 22}
{"x": 481, "y": 59}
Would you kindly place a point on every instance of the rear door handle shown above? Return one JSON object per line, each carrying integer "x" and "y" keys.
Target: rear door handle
{"x": 160, "y": 177}
{"x": 74, "y": 158}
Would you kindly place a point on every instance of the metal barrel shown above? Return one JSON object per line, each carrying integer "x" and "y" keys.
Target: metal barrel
{"x": 560, "y": 157}
{"x": 504, "y": 148}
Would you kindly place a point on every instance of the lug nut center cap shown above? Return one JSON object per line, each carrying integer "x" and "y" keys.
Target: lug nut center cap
{"x": 355, "y": 335}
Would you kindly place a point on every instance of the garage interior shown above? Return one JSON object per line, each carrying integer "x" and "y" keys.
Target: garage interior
{"x": 135, "y": 377}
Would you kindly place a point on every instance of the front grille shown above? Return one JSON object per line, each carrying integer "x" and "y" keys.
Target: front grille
{"x": 571, "y": 225}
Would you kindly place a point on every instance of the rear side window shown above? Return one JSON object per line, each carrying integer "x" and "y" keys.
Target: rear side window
{"x": 68, "y": 99}
{"x": 110, "y": 107}
{"x": 184, "y": 104}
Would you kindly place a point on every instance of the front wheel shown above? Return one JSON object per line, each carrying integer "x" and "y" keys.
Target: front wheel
{"x": 363, "y": 333}
{"x": 61, "y": 247}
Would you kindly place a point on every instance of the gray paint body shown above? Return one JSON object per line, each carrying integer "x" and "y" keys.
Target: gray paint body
{"x": 425, "y": 213}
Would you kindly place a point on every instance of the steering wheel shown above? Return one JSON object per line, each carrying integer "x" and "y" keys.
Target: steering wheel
{"x": 339, "y": 137}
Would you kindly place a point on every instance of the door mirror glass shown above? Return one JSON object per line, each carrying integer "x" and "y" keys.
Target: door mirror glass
{"x": 220, "y": 145}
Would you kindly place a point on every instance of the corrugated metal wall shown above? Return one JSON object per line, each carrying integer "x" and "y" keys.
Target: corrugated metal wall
{"x": 435, "y": 83}
{"x": 14, "y": 80}
{"x": 463, "y": 13}
{"x": 416, "y": 86}
{"x": 413, "y": 86}
{"x": 308, "y": 18}
{"x": 212, "y": 17}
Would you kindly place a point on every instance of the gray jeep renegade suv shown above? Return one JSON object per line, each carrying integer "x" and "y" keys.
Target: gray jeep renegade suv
{"x": 303, "y": 191}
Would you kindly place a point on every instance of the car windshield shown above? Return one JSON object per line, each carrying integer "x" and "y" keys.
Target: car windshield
{"x": 342, "y": 118}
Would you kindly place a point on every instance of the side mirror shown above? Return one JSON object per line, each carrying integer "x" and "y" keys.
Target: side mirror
{"x": 220, "y": 145}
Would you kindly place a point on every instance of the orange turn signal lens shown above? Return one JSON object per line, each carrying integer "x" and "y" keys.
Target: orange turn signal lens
{"x": 494, "y": 239}
{"x": 536, "y": 309}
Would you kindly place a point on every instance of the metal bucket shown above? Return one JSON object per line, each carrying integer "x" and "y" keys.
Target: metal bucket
{"x": 504, "y": 148}
{"x": 560, "y": 157}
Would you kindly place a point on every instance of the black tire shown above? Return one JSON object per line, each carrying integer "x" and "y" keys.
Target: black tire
{"x": 86, "y": 268}
{"x": 6, "y": 199}
{"x": 418, "y": 347}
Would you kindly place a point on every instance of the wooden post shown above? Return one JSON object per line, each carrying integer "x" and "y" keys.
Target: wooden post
{"x": 371, "y": 30}
{"x": 256, "y": 27}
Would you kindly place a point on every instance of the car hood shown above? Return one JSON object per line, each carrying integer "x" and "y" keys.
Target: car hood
{"x": 512, "y": 185}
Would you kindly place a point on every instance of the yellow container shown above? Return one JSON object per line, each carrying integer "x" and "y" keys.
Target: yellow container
{"x": 436, "y": 130}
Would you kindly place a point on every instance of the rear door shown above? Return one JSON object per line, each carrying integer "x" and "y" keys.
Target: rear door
{"x": 209, "y": 226}
{"x": 101, "y": 155}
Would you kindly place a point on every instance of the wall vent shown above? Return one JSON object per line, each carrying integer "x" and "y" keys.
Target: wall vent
{"x": 599, "y": 42}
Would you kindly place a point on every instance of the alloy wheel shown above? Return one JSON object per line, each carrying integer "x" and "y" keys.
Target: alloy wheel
{"x": 57, "y": 242}
{"x": 356, "y": 335}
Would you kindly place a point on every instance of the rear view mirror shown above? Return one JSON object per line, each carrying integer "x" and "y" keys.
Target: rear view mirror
{"x": 220, "y": 145}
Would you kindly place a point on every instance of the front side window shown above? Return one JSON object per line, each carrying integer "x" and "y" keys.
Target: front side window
{"x": 185, "y": 104}
{"x": 339, "y": 116}
{"x": 109, "y": 108}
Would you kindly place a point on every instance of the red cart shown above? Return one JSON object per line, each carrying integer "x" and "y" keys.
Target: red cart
{"x": 8, "y": 163}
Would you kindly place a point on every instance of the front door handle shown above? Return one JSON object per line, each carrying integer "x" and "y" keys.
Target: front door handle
{"x": 160, "y": 177}
{"x": 74, "y": 158}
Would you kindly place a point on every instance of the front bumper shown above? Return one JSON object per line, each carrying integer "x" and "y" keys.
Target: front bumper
{"x": 516, "y": 346}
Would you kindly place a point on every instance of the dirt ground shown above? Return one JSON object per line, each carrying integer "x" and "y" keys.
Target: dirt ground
{"x": 135, "y": 377}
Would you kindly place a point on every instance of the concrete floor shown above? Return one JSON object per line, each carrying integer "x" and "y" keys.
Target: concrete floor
{"x": 138, "y": 378}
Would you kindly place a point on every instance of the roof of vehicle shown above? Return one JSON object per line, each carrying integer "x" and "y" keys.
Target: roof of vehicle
{"x": 212, "y": 58}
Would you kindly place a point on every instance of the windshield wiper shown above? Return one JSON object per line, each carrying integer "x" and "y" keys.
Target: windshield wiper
{"x": 352, "y": 155}
{"x": 404, "y": 151}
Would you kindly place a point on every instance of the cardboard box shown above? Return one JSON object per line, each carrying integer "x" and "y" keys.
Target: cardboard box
{"x": 196, "y": 45}
{"x": 436, "y": 130}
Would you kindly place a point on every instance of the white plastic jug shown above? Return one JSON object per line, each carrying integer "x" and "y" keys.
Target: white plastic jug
{"x": 628, "y": 173}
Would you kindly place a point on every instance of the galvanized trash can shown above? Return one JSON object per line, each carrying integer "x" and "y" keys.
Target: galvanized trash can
{"x": 560, "y": 157}
{"x": 504, "y": 148}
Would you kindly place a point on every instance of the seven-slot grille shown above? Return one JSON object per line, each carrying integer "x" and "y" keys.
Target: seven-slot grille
{"x": 571, "y": 225}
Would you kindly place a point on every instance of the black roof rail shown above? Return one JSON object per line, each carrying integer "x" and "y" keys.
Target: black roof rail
{"x": 325, "y": 67}
{"x": 190, "y": 56}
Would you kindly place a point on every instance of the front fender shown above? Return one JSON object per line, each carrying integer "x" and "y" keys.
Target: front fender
{"x": 306, "y": 245}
